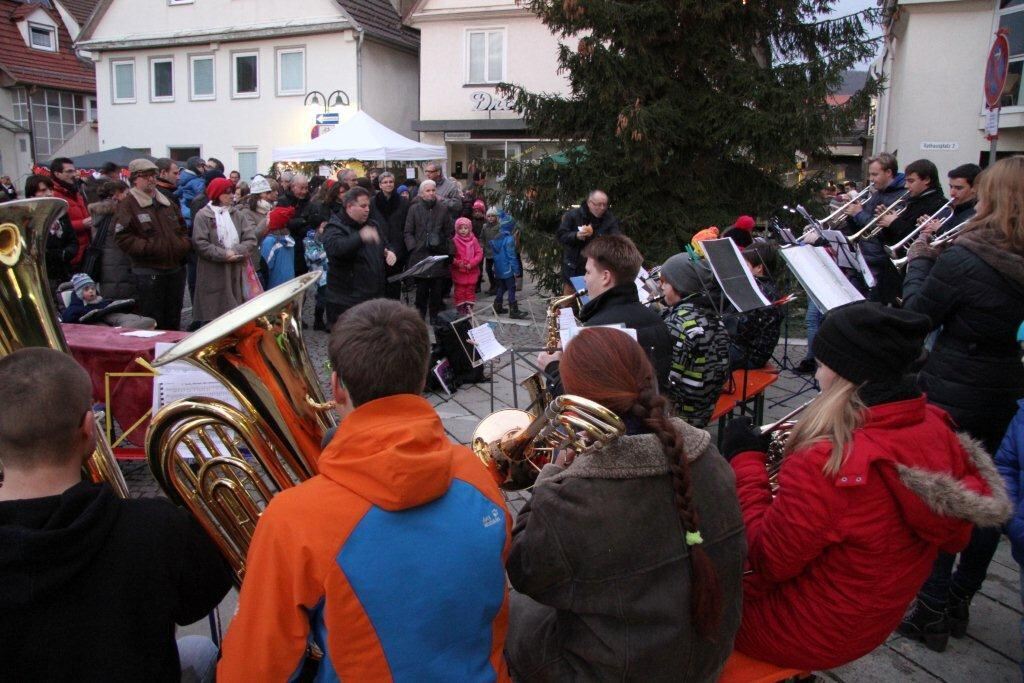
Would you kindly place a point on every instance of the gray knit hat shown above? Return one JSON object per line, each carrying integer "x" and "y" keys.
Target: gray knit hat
{"x": 80, "y": 281}
{"x": 686, "y": 275}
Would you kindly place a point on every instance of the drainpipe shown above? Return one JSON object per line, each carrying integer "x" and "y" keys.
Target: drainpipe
{"x": 359, "y": 70}
{"x": 29, "y": 90}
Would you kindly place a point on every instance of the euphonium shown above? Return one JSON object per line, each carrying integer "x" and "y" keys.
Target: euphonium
{"x": 225, "y": 464}
{"x": 536, "y": 384}
{"x": 779, "y": 431}
{"x": 514, "y": 445}
{"x": 28, "y": 316}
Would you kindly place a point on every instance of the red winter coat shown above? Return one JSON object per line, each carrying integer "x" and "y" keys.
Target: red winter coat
{"x": 835, "y": 562}
{"x": 78, "y": 211}
{"x": 465, "y": 264}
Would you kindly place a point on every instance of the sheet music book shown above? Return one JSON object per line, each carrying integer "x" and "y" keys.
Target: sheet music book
{"x": 568, "y": 334}
{"x": 865, "y": 271}
{"x": 566, "y": 318}
{"x": 821, "y": 278}
{"x": 443, "y": 372}
{"x": 844, "y": 255}
{"x": 181, "y": 379}
{"x": 734, "y": 275}
{"x": 485, "y": 342}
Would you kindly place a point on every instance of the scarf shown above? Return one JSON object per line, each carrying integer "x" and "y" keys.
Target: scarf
{"x": 227, "y": 233}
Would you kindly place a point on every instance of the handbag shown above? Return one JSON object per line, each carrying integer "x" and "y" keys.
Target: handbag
{"x": 92, "y": 260}
{"x": 436, "y": 245}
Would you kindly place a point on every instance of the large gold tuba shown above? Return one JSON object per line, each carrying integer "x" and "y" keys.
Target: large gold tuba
{"x": 225, "y": 464}
{"x": 28, "y": 316}
{"x": 514, "y": 445}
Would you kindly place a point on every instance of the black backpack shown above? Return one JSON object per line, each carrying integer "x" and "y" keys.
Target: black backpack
{"x": 197, "y": 203}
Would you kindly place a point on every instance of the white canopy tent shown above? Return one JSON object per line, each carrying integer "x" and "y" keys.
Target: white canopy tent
{"x": 364, "y": 139}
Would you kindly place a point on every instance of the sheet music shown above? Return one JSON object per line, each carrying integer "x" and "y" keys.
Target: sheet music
{"x": 566, "y": 318}
{"x": 865, "y": 271}
{"x": 844, "y": 255}
{"x": 485, "y": 342}
{"x": 145, "y": 334}
{"x": 734, "y": 275}
{"x": 568, "y": 334}
{"x": 821, "y": 278}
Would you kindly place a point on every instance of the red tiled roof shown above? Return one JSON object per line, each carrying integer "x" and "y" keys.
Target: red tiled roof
{"x": 80, "y": 9}
{"x": 61, "y": 69}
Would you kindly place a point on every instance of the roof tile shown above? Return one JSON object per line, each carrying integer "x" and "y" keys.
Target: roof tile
{"x": 61, "y": 69}
{"x": 380, "y": 18}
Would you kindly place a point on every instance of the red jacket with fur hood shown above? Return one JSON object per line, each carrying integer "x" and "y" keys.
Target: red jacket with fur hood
{"x": 836, "y": 561}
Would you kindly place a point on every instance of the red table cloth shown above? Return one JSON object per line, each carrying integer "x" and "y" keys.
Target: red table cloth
{"x": 101, "y": 350}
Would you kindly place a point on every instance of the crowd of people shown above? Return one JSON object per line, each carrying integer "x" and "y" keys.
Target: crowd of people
{"x": 653, "y": 557}
{"x": 164, "y": 228}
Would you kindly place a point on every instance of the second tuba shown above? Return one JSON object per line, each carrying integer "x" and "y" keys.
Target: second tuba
{"x": 222, "y": 463}
{"x": 28, "y": 316}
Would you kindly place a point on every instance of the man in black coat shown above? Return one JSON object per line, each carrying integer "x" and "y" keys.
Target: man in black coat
{"x": 579, "y": 226}
{"x": 961, "y": 191}
{"x": 391, "y": 209}
{"x": 612, "y": 264}
{"x": 357, "y": 254}
{"x": 91, "y": 585}
{"x": 297, "y": 197}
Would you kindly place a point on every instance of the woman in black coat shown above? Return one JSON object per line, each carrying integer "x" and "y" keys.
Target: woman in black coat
{"x": 628, "y": 560}
{"x": 973, "y": 291}
{"x": 391, "y": 210}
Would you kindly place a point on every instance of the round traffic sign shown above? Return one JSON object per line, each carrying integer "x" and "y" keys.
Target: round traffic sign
{"x": 996, "y": 69}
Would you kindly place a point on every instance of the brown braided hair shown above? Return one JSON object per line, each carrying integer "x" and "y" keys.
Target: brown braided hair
{"x": 607, "y": 366}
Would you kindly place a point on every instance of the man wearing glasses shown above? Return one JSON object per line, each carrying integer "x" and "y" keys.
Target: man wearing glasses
{"x": 65, "y": 186}
{"x": 448, "y": 191}
{"x": 578, "y": 227}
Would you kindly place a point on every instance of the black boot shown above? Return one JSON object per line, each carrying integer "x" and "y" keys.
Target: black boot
{"x": 515, "y": 313}
{"x": 498, "y": 308}
{"x": 318, "y": 319}
{"x": 958, "y": 611}
{"x": 926, "y": 624}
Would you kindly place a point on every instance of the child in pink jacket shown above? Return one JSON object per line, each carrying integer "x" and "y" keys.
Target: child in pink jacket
{"x": 466, "y": 265}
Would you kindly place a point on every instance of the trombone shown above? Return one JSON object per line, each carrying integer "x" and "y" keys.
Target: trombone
{"x": 891, "y": 251}
{"x": 869, "y": 230}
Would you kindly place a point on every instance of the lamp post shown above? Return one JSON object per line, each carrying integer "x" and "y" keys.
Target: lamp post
{"x": 337, "y": 97}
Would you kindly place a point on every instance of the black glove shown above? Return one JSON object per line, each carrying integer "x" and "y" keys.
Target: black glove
{"x": 741, "y": 436}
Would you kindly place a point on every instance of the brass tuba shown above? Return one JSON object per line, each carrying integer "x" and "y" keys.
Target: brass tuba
{"x": 28, "y": 316}
{"x": 514, "y": 445}
{"x": 225, "y": 464}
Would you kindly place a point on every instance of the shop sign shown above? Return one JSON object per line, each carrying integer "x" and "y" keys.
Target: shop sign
{"x": 485, "y": 101}
{"x": 940, "y": 146}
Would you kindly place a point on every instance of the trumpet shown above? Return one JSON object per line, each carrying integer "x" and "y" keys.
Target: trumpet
{"x": 943, "y": 240}
{"x": 891, "y": 251}
{"x": 869, "y": 230}
{"x": 838, "y": 213}
{"x": 514, "y": 445}
{"x": 779, "y": 431}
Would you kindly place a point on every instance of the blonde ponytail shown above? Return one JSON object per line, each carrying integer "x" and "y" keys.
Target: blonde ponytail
{"x": 834, "y": 416}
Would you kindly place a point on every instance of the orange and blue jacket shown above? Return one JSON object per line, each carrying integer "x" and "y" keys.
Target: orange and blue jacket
{"x": 391, "y": 560}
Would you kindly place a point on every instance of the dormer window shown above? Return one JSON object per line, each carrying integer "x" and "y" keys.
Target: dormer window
{"x": 42, "y": 37}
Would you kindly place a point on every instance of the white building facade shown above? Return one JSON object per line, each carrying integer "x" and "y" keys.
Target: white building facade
{"x": 934, "y": 62}
{"x": 467, "y": 47}
{"x": 233, "y": 80}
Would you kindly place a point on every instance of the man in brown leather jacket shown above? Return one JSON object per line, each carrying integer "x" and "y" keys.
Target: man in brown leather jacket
{"x": 149, "y": 229}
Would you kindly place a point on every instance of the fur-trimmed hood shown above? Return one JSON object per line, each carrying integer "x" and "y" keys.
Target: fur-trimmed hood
{"x": 631, "y": 457}
{"x": 984, "y": 244}
{"x": 939, "y": 486}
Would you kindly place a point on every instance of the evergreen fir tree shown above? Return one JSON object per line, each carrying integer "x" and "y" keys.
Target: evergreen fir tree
{"x": 686, "y": 112}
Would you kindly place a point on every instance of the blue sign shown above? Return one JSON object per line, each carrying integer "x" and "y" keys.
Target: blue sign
{"x": 328, "y": 119}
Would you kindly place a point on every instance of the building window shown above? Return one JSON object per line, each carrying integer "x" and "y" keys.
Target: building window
{"x": 122, "y": 78}
{"x": 245, "y": 80}
{"x": 56, "y": 115}
{"x": 161, "y": 79}
{"x": 291, "y": 71}
{"x": 43, "y": 37}
{"x": 1011, "y": 17}
{"x": 247, "y": 163}
{"x": 180, "y": 2}
{"x": 486, "y": 56}
{"x": 183, "y": 154}
{"x": 201, "y": 83}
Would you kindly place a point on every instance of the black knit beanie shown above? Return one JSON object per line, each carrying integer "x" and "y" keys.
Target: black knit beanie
{"x": 868, "y": 342}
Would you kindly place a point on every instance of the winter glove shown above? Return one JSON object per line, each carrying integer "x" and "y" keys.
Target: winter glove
{"x": 922, "y": 249}
{"x": 741, "y": 436}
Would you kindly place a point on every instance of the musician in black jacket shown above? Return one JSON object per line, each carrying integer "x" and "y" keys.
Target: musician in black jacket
{"x": 922, "y": 180}
{"x": 91, "y": 585}
{"x": 961, "y": 191}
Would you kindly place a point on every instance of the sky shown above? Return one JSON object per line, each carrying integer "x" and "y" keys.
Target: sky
{"x": 843, "y": 7}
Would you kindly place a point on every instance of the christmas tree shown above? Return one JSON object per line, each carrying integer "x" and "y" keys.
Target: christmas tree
{"x": 686, "y": 112}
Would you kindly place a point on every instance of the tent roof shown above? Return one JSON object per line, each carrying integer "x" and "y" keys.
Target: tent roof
{"x": 121, "y": 156}
{"x": 361, "y": 138}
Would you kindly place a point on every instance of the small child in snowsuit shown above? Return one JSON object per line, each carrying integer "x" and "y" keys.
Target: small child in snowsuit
{"x": 506, "y": 268}
{"x": 87, "y": 299}
{"x": 278, "y": 247}
{"x": 465, "y": 268}
{"x": 316, "y": 259}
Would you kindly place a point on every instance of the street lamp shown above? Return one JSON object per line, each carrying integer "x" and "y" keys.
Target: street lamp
{"x": 337, "y": 97}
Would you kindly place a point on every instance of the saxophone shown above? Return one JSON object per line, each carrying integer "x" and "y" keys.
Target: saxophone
{"x": 536, "y": 385}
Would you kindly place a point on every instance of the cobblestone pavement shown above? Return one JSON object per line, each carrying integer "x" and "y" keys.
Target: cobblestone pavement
{"x": 989, "y": 652}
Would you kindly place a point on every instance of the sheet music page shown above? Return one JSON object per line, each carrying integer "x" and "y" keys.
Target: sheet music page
{"x": 485, "y": 342}
{"x": 566, "y": 319}
{"x": 865, "y": 271}
{"x": 734, "y": 275}
{"x": 844, "y": 256}
{"x": 145, "y": 334}
{"x": 821, "y": 278}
